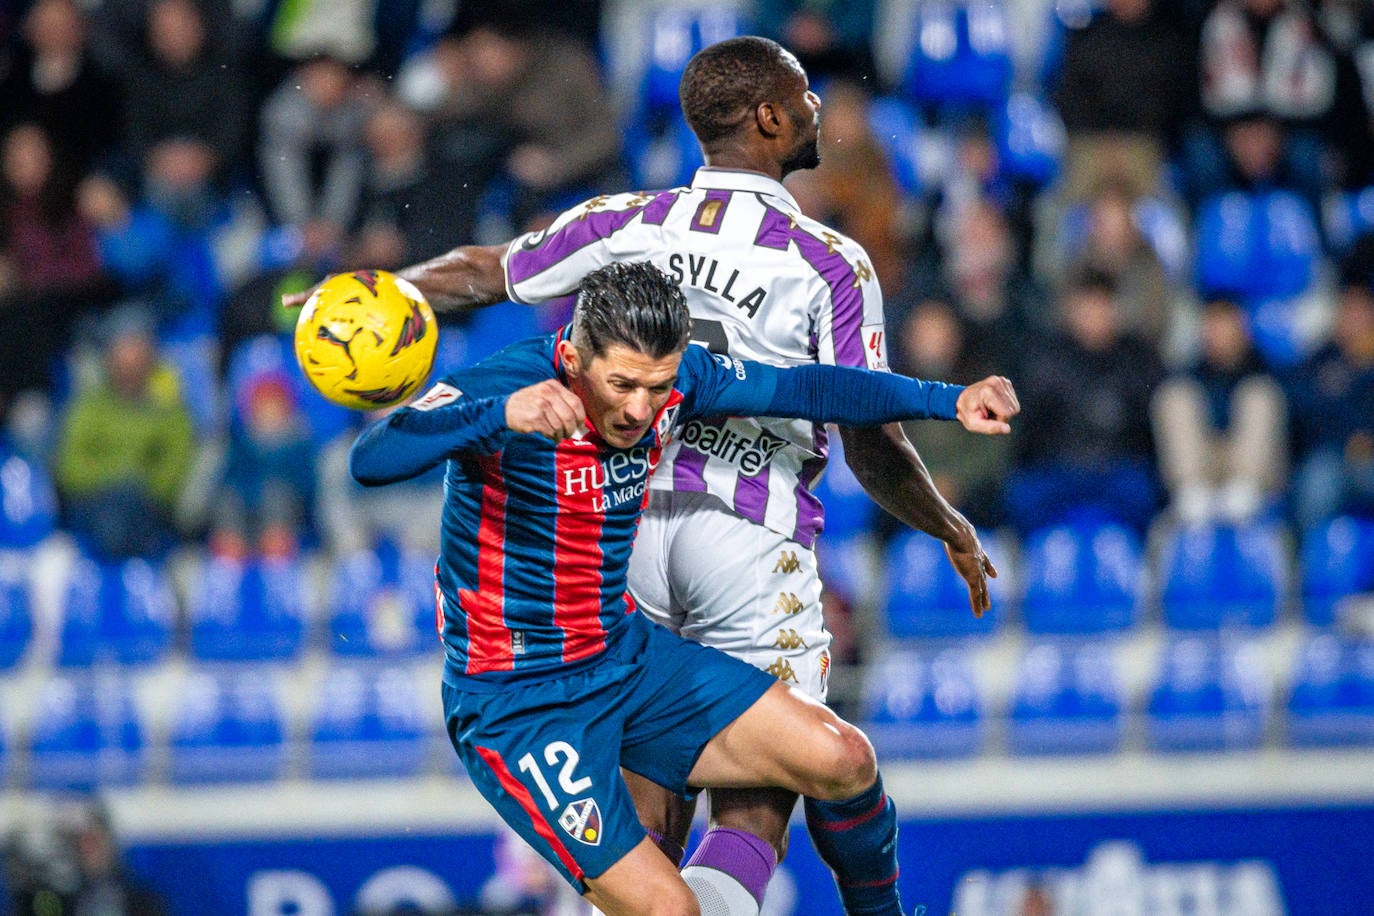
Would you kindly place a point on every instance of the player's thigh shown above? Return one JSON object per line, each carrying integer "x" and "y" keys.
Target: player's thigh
{"x": 547, "y": 759}
{"x": 788, "y": 740}
{"x": 685, "y": 694}
{"x": 642, "y": 883}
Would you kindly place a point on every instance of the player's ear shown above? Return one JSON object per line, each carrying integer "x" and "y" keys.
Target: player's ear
{"x": 769, "y": 117}
{"x": 571, "y": 359}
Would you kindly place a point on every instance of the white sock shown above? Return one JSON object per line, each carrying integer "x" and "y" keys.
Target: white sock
{"x": 718, "y": 893}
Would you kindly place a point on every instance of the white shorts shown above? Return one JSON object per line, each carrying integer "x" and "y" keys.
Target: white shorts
{"x": 704, "y": 572}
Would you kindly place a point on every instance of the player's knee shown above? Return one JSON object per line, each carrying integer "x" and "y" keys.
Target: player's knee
{"x": 679, "y": 901}
{"x": 850, "y": 765}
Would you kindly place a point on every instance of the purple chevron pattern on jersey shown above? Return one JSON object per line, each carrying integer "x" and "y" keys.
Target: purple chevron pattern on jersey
{"x": 763, "y": 282}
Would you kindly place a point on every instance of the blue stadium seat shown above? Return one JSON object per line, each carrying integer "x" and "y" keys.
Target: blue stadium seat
{"x": 675, "y": 34}
{"x": 369, "y": 722}
{"x": 905, "y": 140}
{"x": 1337, "y": 562}
{"x": 1068, "y": 700}
{"x": 16, "y": 612}
{"x": 227, "y": 728}
{"x": 1082, "y": 578}
{"x": 1222, "y": 576}
{"x": 663, "y": 155}
{"x": 28, "y": 501}
{"x": 248, "y": 611}
{"x": 926, "y": 598}
{"x": 1265, "y": 248}
{"x": 383, "y": 602}
{"x": 119, "y": 613}
{"x": 661, "y": 149}
{"x": 1347, "y": 215}
{"x": 195, "y": 358}
{"x": 922, "y": 706}
{"x": 86, "y": 734}
{"x": 1208, "y": 695}
{"x": 1030, "y": 139}
{"x": 1332, "y": 699}
{"x": 848, "y": 510}
{"x": 960, "y": 57}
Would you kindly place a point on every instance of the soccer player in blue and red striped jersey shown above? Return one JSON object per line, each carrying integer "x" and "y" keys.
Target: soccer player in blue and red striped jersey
{"x": 552, "y": 682}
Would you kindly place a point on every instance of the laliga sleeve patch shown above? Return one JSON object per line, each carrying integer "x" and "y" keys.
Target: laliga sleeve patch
{"x": 438, "y": 396}
{"x": 875, "y": 346}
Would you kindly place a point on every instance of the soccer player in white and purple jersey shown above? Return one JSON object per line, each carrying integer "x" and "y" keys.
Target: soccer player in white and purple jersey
{"x": 733, "y": 521}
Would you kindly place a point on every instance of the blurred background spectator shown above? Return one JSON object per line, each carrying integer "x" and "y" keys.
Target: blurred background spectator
{"x": 1220, "y": 426}
{"x": 1081, "y": 448}
{"x": 50, "y": 78}
{"x": 68, "y": 860}
{"x": 1332, "y": 398}
{"x": 1123, "y": 92}
{"x": 125, "y": 446}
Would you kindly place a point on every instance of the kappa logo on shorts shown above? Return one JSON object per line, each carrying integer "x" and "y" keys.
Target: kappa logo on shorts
{"x": 789, "y": 640}
{"x": 787, "y": 562}
{"x": 582, "y": 821}
{"x": 782, "y": 670}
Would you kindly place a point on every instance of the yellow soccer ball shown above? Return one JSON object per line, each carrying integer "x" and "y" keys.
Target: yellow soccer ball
{"x": 366, "y": 339}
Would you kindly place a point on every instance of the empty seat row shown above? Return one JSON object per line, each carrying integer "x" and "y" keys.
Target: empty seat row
{"x": 378, "y": 602}
{"x": 1097, "y": 578}
{"x": 229, "y": 726}
{"x": 1207, "y": 694}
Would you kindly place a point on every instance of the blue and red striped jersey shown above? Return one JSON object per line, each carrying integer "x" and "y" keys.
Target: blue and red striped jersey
{"x": 536, "y": 535}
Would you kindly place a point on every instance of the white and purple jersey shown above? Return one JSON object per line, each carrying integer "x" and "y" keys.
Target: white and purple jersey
{"x": 764, "y": 283}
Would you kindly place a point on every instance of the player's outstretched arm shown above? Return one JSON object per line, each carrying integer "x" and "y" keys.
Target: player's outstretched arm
{"x": 467, "y": 277}
{"x": 892, "y": 473}
{"x": 820, "y": 393}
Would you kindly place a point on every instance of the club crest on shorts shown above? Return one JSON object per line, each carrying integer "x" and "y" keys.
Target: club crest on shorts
{"x": 582, "y": 821}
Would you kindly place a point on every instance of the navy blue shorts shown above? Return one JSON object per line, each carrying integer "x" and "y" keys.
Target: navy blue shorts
{"x": 547, "y": 754}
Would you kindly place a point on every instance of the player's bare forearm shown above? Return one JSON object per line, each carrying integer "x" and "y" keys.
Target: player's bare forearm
{"x": 894, "y": 476}
{"x": 469, "y": 276}
{"x": 892, "y": 473}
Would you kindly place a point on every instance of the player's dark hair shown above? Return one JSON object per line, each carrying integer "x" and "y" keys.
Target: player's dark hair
{"x": 633, "y": 304}
{"x": 725, "y": 82}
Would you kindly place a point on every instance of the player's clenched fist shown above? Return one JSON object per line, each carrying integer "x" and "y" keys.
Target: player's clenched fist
{"x": 547, "y": 408}
{"x": 988, "y": 406}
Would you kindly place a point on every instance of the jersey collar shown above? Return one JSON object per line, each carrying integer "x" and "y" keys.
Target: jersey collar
{"x": 712, "y": 177}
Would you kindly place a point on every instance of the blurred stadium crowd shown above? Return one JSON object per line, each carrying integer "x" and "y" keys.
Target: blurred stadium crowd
{"x": 1155, "y": 216}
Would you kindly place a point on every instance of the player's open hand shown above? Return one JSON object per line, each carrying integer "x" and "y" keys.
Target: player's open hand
{"x": 547, "y": 408}
{"x": 975, "y": 567}
{"x": 987, "y": 407}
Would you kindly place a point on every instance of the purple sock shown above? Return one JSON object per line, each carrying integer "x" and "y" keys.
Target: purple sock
{"x": 668, "y": 847}
{"x": 742, "y": 856}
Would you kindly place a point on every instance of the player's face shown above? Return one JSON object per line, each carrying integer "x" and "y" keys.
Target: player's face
{"x": 622, "y": 390}
{"x": 803, "y": 108}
